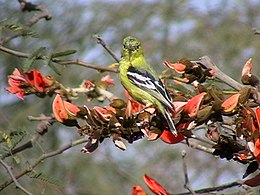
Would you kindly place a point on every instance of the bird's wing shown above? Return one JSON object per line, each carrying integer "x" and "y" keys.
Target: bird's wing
{"x": 146, "y": 81}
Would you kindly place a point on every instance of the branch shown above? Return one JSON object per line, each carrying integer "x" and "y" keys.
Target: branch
{"x": 187, "y": 183}
{"x": 206, "y": 141}
{"x": 102, "y": 42}
{"x": 17, "y": 184}
{"x": 84, "y": 64}
{"x": 199, "y": 147}
{"x": 61, "y": 62}
{"x": 13, "y": 52}
{"x": 205, "y": 60}
{"x": 256, "y": 31}
{"x": 216, "y": 188}
{"x": 41, "y": 129}
{"x": 43, "y": 157}
{"x": 110, "y": 96}
{"x": 27, "y": 6}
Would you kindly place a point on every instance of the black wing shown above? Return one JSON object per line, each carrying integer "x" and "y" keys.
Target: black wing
{"x": 149, "y": 83}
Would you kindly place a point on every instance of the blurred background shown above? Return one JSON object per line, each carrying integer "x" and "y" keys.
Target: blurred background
{"x": 169, "y": 30}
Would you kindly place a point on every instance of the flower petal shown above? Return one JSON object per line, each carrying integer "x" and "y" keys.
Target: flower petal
{"x": 192, "y": 107}
{"x": 137, "y": 190}
{"x": 178, "y": 67}
{"x": 169, "y": 138}
{"x": 59, "y": 109}
{"x": 257, "y": 111}
{"x": 247, "y": 67}
{"x": 230, "y": 104}
{"x": 154, "y": 186}
{"x": 71, "y": 109}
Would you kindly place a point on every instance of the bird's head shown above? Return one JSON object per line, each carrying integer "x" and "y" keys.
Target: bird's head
{"x": 131, "y": 47}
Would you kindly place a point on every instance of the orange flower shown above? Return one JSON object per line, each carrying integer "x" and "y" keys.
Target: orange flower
{"x": 230, "y": 104}
{"x": 169, "y": 138}
{"x": 137, "y": 190}
{"x": 193, "y": 105}
{"x": 103, "y": 113}
{"x": 154, "y": 186}
{"x": 108, "y": 81}
{"x": 178, "y": 67}
{"x": 27, "y": 83}
{"x": 64, "y": 110}
{"x": 133, "y": 106}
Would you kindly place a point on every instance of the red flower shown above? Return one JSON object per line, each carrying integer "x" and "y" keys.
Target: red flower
{"x": 108, "y": 81}
{"x": 17, "y": 81}
{"x": 178, "y": 67}
{"x": 154, "y": 186}
{"x": 193, "y": 105}
{"x": 169, "y": 138}
{"x": 230, "y": 103}
{"x": 104, "y": 113}
{"x": 27, "y": 83}
{"x": 137, "y": 190}
{"x": 64, "y": 110}
{"x": 88, "y": 84}
{"x": 133, "y": 106}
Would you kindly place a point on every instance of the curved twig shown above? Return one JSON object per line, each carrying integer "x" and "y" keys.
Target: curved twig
{"x": 42, "y": 158}
{"x": 13, "y": 178}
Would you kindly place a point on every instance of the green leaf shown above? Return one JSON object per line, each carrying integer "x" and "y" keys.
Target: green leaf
{"x": 22, "y": 29}
{"x": 12, "y": 138}
{"x": 9, "y": 140}
{"x": 63, "y": 53}
{"x": 45, "y": 178}
{"x": 39, "y": 53}
{"x": 51, "y": 65}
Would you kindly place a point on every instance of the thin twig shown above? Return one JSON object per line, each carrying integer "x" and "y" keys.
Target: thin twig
{"x": 187, "y": 183}
{"x": 41, "y": 129}
{"x": 102, "y": 42}
{"x": 206, "y": 141}
{"x": 199, "y": 147}
{"x": 27, "y": 6}
{"x": 84, "y": 64}
{"x": 13, "y": 52}
{"x": 13, "y": 178}
{"x": 110, "y": 96}
{"x": 43, "y": 157}
{"x": 61, "y": 62}
{"x": 216, "y": 188}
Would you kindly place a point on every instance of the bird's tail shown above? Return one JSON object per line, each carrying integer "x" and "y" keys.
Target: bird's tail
{"x": 169, "y": 120}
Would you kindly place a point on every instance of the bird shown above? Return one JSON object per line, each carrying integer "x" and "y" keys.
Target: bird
{"x": 141, "y": 81}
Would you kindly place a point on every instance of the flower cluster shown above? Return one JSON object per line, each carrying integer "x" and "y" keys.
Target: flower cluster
{"x": 32, "y": 82}
{"x": 202, "y": 103}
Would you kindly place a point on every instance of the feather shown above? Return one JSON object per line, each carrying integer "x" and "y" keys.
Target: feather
{"x": 146, "y": 81}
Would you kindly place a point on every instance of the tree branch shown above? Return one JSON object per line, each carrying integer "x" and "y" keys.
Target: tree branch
{"x": 13, "y": 52}
{"x": 206, "y": 61}
{"x": 216, "y": 188}
{"x": 84, "y": 64}
{"x": 27, "y": 6}
{"x": 187, "y": 183}
{"x": 199, "y": 147}
{"x": 102, "y": 42}
{"x": 17, "y": 184}
{"x": 61, "y": 62}
{"x": 41, "y": 129}
{"x": 256, "y": 31}
{"x": 42, "y": 158}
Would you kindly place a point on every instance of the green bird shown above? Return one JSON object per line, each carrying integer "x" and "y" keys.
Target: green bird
{"x": 141, "y": 81}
